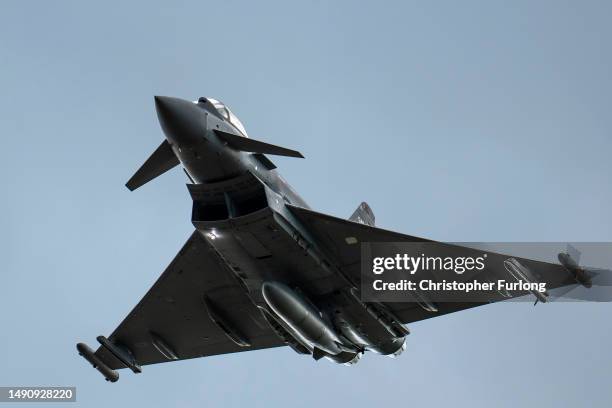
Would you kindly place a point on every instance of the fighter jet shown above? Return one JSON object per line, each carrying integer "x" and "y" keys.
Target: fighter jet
{"x": 261, "y": 268}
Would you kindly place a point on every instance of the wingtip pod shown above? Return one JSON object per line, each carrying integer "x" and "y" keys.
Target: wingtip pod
{"x": 121, "y": 353}
{"x": 88, "y": 354}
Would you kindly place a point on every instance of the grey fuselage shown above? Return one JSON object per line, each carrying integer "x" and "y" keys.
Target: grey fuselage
{"x": 240, "y": 207}
{"x": 189, "y": 128}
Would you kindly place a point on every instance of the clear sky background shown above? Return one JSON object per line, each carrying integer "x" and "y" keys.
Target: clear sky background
{"x": 459, "y": 121}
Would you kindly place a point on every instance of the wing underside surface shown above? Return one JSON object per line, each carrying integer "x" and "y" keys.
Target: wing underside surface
{"x": 341, "y": 238}
{"x": 174, "y": 310}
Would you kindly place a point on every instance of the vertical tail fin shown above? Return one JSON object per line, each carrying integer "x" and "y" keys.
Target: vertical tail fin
{"x": 363, "y": 215}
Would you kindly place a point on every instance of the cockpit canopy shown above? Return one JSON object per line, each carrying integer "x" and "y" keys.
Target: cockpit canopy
{"x": 227, "y": 114}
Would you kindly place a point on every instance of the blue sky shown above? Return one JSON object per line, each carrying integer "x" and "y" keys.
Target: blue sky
{"x": 458, "y": 121}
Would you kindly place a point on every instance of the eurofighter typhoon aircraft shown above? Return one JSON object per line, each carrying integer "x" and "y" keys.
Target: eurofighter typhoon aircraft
{"x": 261, "y": 268}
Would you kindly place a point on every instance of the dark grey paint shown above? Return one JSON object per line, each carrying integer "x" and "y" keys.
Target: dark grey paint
{"x": 255, "y": 234}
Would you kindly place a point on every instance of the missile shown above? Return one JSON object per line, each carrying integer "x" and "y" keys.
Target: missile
{"x": 376, "y": 329}
{"x": 304, "y": 319}
{"x": 121, "y": 353}
{"x": 89, "y": 355}
{"x": 522, "y": 273}
{"x": 382, "y": 315}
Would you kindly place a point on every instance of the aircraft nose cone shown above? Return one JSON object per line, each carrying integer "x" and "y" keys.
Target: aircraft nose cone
{"x": 182, "y": 121}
